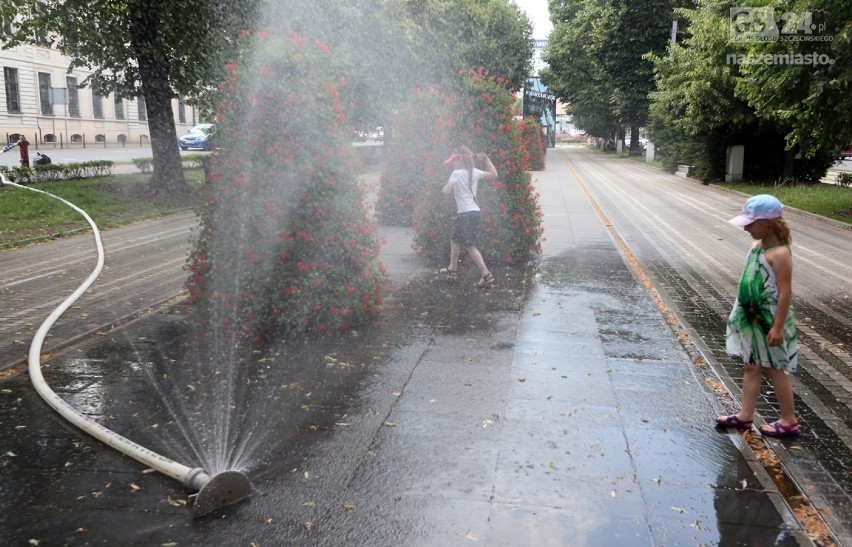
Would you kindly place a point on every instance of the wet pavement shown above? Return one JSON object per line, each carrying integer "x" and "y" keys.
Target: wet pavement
{"x": 558, "y": 408}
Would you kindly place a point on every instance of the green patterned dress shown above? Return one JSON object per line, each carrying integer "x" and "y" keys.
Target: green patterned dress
{"x": 753, "y": 315}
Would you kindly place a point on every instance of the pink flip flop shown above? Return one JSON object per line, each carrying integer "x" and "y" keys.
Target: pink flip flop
{"x": 780, "y": 430}
{"x": 733, "y": 421}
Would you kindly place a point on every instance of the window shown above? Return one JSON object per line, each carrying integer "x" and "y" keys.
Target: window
{"x": 10, "y": 78}
{"x": 97, "y": 105}
{"x": 142, "y": 108}
{"x": 119, "y": 107}
{"x": 181, "y": 110}
{"x": 44, "y": 93}
{"x": 73, "y": 99}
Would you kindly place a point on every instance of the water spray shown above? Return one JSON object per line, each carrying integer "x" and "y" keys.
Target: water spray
{"x": 222, "y": 489}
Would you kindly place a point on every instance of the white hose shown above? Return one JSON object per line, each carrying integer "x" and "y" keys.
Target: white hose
{"x": 194, "y": 478}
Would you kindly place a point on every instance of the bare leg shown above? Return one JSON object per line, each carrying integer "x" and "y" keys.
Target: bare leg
{"x": 751, "y": 390}
{"x": 752, "y": 378}
{"x": 476, "y": 256}
{"x": 455, "y": 248}
{"x": 784, "y": 393}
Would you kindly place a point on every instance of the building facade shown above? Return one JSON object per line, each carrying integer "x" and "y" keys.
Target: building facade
{"x": 40, "y": 99}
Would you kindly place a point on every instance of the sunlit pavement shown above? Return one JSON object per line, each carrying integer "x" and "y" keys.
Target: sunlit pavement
{"x": 556, "y": 409}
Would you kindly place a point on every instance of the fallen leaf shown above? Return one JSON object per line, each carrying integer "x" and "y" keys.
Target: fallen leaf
{"x": 390, "y": 424}
{"x": 679, "y": 509}
{"x": 134, "y": 487}
{"x": 349, "y": 507}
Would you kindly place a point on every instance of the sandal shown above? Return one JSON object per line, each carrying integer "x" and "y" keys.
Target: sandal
{"x": 450, "y": 274}
{"x": 733, "y": 421}
{"x": 485, "y": 280}
{"x": 777, "y": 429}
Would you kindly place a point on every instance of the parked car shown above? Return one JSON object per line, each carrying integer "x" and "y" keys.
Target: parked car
{"x": 200, "y": 136}
{"x": 846, "y": 153}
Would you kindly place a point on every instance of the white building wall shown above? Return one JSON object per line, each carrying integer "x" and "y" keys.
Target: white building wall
{"x": 44, "y": 128}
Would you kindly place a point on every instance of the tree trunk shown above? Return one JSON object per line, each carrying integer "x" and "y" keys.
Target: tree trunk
{"x": 634, "y": 140}
{"x": 154, "y": 73}
{"x": 789, "y": 158}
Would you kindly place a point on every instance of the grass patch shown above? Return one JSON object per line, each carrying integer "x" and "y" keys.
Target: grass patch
{"x": 834, "y": 202}
{"x": 110, "y": 201}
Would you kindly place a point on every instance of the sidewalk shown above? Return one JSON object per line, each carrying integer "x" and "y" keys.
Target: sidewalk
{"x": 559, "y": 412}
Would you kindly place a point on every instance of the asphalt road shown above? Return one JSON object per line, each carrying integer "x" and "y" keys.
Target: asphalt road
{"x": 78, "y": 154}
{"x": 143, "y": 268}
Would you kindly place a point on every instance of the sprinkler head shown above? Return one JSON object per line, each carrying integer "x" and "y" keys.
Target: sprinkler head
{"x": 223, "y": 489}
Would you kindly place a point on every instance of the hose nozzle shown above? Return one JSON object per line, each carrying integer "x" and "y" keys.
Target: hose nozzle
{"x": 223, "y": 489}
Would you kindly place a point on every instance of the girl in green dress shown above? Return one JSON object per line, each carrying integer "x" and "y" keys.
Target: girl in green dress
{"x": 761, "y": 328}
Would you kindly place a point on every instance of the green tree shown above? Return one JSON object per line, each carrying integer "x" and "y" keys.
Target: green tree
{"x": 573, "y": 73}
{"x": 480, "y": 114}
{"x": 809, "y": 92}
{"x": 371, "y": 50}
{"x": 285, "y": 245}
{"x": 452, "y": 36}
{"x": 701, "y": 105}
{"x": 694, "y": 113}
{"x": 597, "y": 60}
{"x": 158, "y": 49}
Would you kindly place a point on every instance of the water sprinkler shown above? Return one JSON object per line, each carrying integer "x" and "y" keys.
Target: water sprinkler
{"x": 222, "y": 489}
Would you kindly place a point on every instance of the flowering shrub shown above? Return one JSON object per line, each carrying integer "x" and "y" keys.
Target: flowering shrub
{"x": 284, "y": 244}
{"x": 413, "y": 161}
{"x": 480, "y": 115}
{"x": 535, "y": 144}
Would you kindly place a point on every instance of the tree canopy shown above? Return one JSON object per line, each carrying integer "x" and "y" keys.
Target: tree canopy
{"x": 722, "y": 86}
{"x": 808, "y": 91}
{"x": 776, "y": 79}
{"x": 452, "y": 36}
{"x": 158, "y": 49}
{"x": 597, "y": 60}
